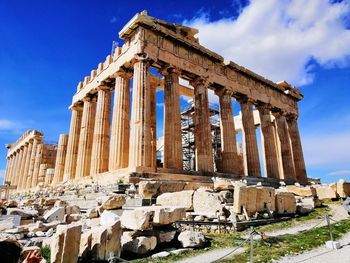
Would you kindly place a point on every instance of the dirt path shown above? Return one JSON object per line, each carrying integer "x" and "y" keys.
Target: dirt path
{"x": 211, "y": 256}
{"x": 337, "y": 211}
{"x": 323, "y": 254}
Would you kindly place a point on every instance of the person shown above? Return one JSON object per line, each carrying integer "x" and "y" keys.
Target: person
{"x": 11, "y": 250}
{"x": 346, "y": 204}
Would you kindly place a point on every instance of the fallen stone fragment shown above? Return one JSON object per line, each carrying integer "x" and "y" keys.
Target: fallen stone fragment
{"x": 138, "y": 245}
{"x": 165, "y": 215}
{"x": 91, "y": 213}
{"x": 162, "y": 254}
{"x": 114, "y": 201}
{"x": 325, "y": 192}
{"x": 191, "y": 239}
{"x": 23, "y": 213}
{"x": 207, "y": 202}
{"x": 285, "y": 203}
{"x": 343, "y": 188}
{"x": 108, "y": 218}
{"x": 137, "y": 219}
{"x": 55, "y": 213}
{"x": 180, "y": 199}
{"x": 72, "y": 209}
{"x": 302, "y": 191}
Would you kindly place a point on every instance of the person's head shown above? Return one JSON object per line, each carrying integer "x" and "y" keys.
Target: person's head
{"x": 10, "y": 251}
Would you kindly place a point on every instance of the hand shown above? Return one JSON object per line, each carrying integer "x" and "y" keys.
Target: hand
{"x": 33, "y": 257}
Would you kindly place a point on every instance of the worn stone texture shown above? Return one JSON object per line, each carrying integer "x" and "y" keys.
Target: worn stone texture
{"x": 253, "y": 199}
{"x": 301, "y": 191}
{"x": 343, "y": 188}
{"x": 207, "y": 202}
{"x": 179, "y": 199}
{"x": 325, "y": 192}
{"x": 285, "y": 203}
{"x": 137, "y": 219}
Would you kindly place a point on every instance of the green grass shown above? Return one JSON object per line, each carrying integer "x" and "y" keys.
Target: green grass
{"x": 46, "y": 253}
{"x": 271, "y": 248}
{"x": 276, "y": 247}
{"x": 318, "y": 213}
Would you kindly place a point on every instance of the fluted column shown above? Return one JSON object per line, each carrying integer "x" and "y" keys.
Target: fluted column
{"x": 140, "y": 154}
{"x": 38, "y": 159}
{"x": 7, "y": 170}
{"x": 42, "y": 172}
{"x": 269, "y": 143}
{"x": 172, "y": 121}
{"x": 73, "y": 142}
{"x": 22, "y": 176}
{"x": 286, "y": 150}
{"x": 153, "y": 127}
{"x": 250, "y": 141}
{"x": 18, "y": 167}
{"x": 100, "y": 146}
{"x": 298, "y": 156}
{"x": 13, "y": 168}
{"x": 32, "y": 163}
{"x": 26, "y": 167}
{"x": 86, "y": 137}
{"x": 119, "y": 145}
{"x": 60, "y": 159}
{"x": 230, "y": 160}
{"x": 202, "y": 127}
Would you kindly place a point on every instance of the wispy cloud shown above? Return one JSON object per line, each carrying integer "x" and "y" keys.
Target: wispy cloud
{"x": 278, "y": 39}
{"x": 10, "y": 126}
{"x": 340, "y": 173}
{"x": 2, "y": 174}
{"x": 113, "y": 20}
{"x": 329, "y": 148}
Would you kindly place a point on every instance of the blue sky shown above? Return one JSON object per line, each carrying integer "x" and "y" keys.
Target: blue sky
{"x": 47, "y": 47}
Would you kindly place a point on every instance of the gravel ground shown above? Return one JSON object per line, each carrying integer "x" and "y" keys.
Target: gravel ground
{"x": 211, "y": 256}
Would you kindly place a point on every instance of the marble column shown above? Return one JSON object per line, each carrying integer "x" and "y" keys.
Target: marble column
{"x": 172, "y": 121}
{"x": 60, "y": 159}
{"x": 32, "y": 163}
{"x": 26, "y": 166}
{"x": 21, "y": 177}
{"x": 298, "y": 156}
{"x": 269, "y": 143}
{"x": 153, "y": 126}
{"x": 7, "y": 170}
{"x": 13, "y": 166}
{"x": 86, "y": 137}
{"x": 140, "y": 154}
{"x": 286, "y": 150}
{"x": 42, "y": 172}
{"x": 18, "y": 167}
{"x": 38, "y": 160}
{"x": 250, "y": 141}
{"x": 202, "y": 127}
{"x": 119, "y": 145}
{"x": 73, "y": 142}
{"x": 100, "y": 146}
{"x": 230, "y": 160}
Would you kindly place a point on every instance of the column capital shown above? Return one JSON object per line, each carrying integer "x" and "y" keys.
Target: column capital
{"x": 244, "y": 99}
{"x": 142, "y": 57}
{"x": 223, "y": 92}
{"x": 200, "y": 81}
{"x": 103, "y": 87}
{"x": 264, "y": 108}
{"x": 89, "y": 98}
{"x": 291, "y": 116}
{"x": 169, "y": 69}
{"x": 123, "y": 73}
{"x": 76, "y": 106}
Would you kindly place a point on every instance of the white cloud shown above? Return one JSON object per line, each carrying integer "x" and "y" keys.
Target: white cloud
{"x": 330, "y": 149}
{"x": 278, "y": 39}
{"x": 9, "y": 126}
{"x": 340, "y": 173}
{"x": 2, "y": 174}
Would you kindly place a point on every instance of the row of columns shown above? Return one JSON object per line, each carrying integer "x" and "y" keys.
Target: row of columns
{"x": 95, "y": 145}
{"x": 23, "y": 165}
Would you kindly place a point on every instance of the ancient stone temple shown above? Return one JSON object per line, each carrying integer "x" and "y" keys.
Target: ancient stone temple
{"x": 29, "y": 160}
{"x": 113, "y": 131}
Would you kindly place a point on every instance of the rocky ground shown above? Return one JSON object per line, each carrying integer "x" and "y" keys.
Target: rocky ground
{"x": 88, "y": 221}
